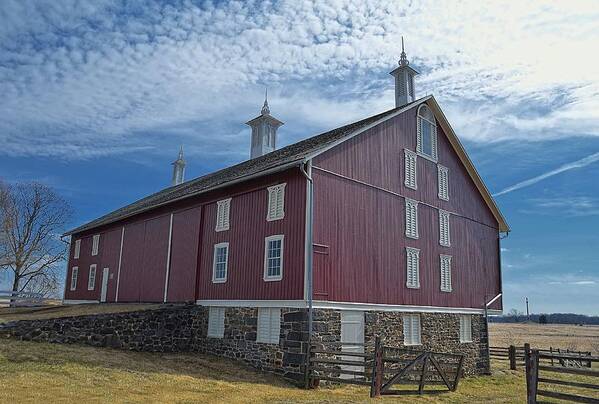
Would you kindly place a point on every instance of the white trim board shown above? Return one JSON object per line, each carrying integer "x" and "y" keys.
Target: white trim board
{"x": 71, "y": 301}
{"x": 321, "y": 304}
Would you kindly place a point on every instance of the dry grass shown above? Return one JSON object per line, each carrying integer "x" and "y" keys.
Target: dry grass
{"x": 36, "y": 313}
{"x": 579, "y": 338}
{"x": 39, "y": 372}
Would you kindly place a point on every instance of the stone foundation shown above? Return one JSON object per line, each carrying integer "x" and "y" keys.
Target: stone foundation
{"x": 184, "y": 328}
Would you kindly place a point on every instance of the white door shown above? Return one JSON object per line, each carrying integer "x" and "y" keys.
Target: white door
{"x": 105, "y": 273}
{"x": 352, "y": 331}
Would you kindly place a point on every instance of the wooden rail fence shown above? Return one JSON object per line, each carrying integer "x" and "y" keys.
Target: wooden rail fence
{"x": 10, "y": 298}
{"x": 538, "y": 363}
{"x": 516, "y": 356}
{"x": 382, "y": 367}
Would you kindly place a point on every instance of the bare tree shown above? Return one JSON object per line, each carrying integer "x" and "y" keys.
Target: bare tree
{"x": 33, "y": 216}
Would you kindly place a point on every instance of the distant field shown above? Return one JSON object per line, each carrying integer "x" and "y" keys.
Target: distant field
{"x": 579, "y": 338}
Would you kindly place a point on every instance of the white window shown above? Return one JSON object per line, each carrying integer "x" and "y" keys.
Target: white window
{"x": 273, "y": 258}
{"x": 77, "y": 249}
{"x": 91, "y": 280}
{"x": 276, "y": 202}
{"x": 444, "y": 238}
{"x": 443, "y": 180}
{"x": 95, "y": 244}
{"x": 411, "y": 218}
{"x": 216, "y": 322}
{"x": 410, "y": 169}
{"x": 220, "y": 263}
{"x": 413, "y": 268}
{"x": 411, "y": 329}
{"x": 426, "y": 139}
{"x": 269, "y": 325}
{"x": 74, "y": 277}
{"x": 465, "y": 328}
{"x": 222, "y": 214}
{"x": 445, "y": 266}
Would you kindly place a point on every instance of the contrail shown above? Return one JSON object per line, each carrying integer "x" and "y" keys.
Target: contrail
{"x": 570, "y": 166}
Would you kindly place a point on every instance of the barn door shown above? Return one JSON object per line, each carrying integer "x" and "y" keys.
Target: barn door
{"x": 321, "y": 267}
{"x": 352, "y": 333}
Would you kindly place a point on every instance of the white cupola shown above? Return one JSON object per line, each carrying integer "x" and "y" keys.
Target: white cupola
{"x": 404, "y": 80}
{"x": 178, "y": 169}
{"x": 264, "y": 131}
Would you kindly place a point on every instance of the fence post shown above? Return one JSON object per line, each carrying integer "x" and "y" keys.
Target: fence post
{"x": 512, "y": 355}
{"x": 377, "y": 369}
{"x": 532, "y": 375}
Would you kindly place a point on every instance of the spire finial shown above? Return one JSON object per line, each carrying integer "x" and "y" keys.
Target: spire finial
{"x": 403, "y": 60}
{"x": 265, "y": 109}
{"x": 181, "y": 153}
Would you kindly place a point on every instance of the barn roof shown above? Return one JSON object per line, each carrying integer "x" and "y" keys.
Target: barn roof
{"x": 281, "y": 159}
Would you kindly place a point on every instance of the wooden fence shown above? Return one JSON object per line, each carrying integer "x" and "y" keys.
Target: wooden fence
{"x": 382, "y": 367}
{"x": 10, "y": 298}
{"x": 516, "y": 356}
{"x": 538, "y": 363}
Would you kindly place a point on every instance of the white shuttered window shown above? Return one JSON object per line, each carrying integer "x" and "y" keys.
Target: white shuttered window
{"x": 269, "y": 325}
{"x": 465, "y": 328}
{"x": 411, "y": 329}
{"x": 91, "y": 280}
{"x": 77, "y": 249}
{"x": 411, "y": 218}
{"x": 410, "y": 169}
{"x": 276, "y": 202}
{"x": 413, "y": 267}
{"x": 216, "y": 322}
{"x": 445, "y": 266}
{"x": 444, "y": 238}
{"x": 273, "y": 257}
{"x": 443, "y": 180}
{"x": 220, "y": 263}
{"x": 95, "y": 244}
{"x": 74, "y": 277}
{"x": 426, "y": 139}
{"x": 222, "y": 214}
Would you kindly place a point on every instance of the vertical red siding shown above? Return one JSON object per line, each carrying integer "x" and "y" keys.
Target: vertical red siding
{"x": 132, "y": 263}
{"x": 154, "y": 260}
{"x": 83, "y": 262}
{"x": 111, "y": 247}
{"x": 184, "y": 253}
{"x": 364, "y": 227}
{"x": 248, "y": 229}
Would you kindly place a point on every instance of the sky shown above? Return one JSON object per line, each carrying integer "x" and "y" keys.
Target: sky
{"x": 97, "y": 96}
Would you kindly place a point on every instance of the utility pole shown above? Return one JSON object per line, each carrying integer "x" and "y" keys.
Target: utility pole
{"x": 527, "y": 311}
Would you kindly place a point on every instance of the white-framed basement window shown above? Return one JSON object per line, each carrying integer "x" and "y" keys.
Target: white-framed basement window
{"x": 91, "y": 280}
{"x": 220, "y": 262}
{"x": 269, "y": 325}
{"x": 216, "y": 322}
{"x": 411, "y": 329}
{"x": 95, "y": 244}
{"x": 223, "y": 209}
{"x": 74, "y": 277}
{"x": 444, "y": 233}
{"x": 276, "y": 202}
{"x": 77, "y": 251}
{"x": 273, "y": 257}
{"x": 411, "y": 179}
{"x": 443, "y": 181}
{"x": 426, "y": 139}
{"x": 445, "y": 268}
{"x": 465, "y": 328}
{"x": 411, "y": 218}
{"x": 412, "y": 268}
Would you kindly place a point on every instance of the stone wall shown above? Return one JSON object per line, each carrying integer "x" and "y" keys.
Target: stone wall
{"x": 175, "y": 328}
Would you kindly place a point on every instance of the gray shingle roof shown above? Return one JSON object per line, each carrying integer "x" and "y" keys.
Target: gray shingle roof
{"x": 286, "y": 156}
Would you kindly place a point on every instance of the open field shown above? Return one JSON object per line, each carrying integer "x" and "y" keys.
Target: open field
{"x": 579, "y": 338}
{"x": 36, "y": 313}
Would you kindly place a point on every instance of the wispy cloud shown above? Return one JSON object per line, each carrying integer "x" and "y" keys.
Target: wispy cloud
{"x": 575, "y": 206}
{"x": 566, "y": 167}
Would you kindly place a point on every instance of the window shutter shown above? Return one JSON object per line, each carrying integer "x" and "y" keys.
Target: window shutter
{"x": 410, "y": 179}
{"x": 434, "y": 142}
{"x": 444, "y": 238}
{"x": 269, "y": 325}
{"x": 216, "y": 322}
{"x": 443, "y": 181}
{"x": 445, "y": 267}
{"x": 413, "y": 268}
{"x": 411, "y": 218}
{"x": 276, "y": 202}
{"x": 411, "y": 329}
{"x": 95, "y": 244}
{"x": 77, "y": 249}
{"x": 222, "y": 214}
{"x": 419, "y": 135}
{"x": 465, "y": 328}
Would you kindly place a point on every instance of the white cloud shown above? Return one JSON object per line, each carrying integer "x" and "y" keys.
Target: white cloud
{"x": 565, "y": 206}
{"x": 86, "y": 79}
{"x": 583, "y": 162}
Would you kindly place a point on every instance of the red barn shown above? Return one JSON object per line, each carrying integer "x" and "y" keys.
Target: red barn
{"x": 382, "y": 222}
